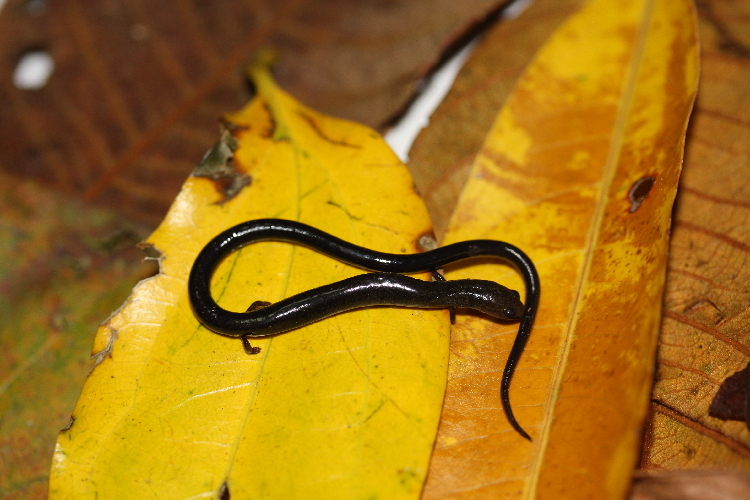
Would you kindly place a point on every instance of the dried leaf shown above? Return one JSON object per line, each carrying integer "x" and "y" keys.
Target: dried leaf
{"x": 603, "y": 106}
{"x": 691, "y": 485}
{"x": 704, "y": 328}
{"x": 137, "y": 86}
{"x": 343, "y": 408}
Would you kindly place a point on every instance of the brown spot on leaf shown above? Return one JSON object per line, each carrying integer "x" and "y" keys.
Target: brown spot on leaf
{"x": 316, "y": 127}
{"x": 639, "y": 191}
{"x": 271, "y": 130}
{"x": 732, "y": 402}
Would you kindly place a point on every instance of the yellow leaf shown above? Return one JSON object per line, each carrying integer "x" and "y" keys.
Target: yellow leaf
{"x": 344, "y": 408}
{"x": 580, "y": 170}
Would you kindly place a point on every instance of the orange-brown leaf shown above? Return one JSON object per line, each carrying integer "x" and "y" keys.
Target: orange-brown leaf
{"x": 580, "y": 170}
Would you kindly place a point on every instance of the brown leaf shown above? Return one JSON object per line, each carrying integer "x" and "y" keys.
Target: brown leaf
{"x": 138, "y": 86}
{"x": 691, "y": 485}
{"x": 706, "y": 316}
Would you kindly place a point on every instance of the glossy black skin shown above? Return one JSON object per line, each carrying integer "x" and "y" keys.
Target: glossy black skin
{"x": 385, "y": 287}
{"x": 374, "y": 289}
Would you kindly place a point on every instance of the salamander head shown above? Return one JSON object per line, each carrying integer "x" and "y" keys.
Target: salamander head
{"x": 487, "y": 297}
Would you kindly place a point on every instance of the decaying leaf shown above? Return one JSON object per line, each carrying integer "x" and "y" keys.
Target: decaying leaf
{"x": 64, "y": 268}
{"x": 603, "y": 106}
{"x": 690, "y": 485}
{"x": 137, "y": 86}
{"x": 343, "y": 408}
{"x": 704, "y": 337}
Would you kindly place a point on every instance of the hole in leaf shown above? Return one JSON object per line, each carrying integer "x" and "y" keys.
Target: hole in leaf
{"x": 33, "y": 70}
{"x": 639, "y": 191}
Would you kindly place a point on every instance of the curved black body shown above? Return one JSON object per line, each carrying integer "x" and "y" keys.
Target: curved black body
{"x": 381, "y": 288}
{"x": 374, "y": 289}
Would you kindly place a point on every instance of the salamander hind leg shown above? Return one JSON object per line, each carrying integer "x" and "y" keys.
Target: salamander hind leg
{"x": 436, "y": 276}
{"x": 249, "y": 348}
{"x": 258, "y": 304}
